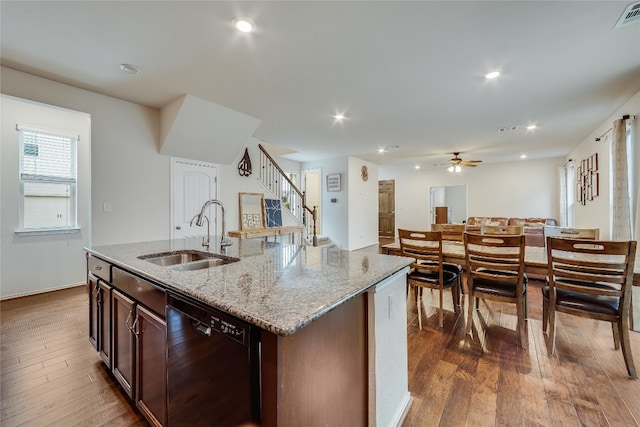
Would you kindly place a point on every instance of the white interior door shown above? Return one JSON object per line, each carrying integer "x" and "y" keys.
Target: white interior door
{"x": 193, "y": 183}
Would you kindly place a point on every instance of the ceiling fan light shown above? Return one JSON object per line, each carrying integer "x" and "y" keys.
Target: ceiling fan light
{"x": 450, "y": 168}
{"x": 457, "y": 168}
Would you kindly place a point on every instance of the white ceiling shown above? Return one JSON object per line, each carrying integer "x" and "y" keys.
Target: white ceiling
{"x": 404, "y": 73}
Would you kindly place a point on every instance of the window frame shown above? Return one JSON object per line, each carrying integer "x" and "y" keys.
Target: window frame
{"x": 24, "y": 178}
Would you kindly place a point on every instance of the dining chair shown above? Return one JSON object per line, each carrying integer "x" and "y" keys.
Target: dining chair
{"x": 503, "y": 229}
{"x": 590, "y": 279}
{"x": 453, "y": 233}
{"x": 572, "y": 233}
{"x": 428, "y": 271}
{"x": 495, "y": 271}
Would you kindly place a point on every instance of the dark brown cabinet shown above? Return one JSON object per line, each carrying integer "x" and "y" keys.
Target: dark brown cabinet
{"x": 124, "y": 344}
{"x": 100, "y": 317}
{"x": 104, "y": 321}
{"x": 151, "y": 366}
{"x": 138, "y": 336}
{"x": 94, "y": 327}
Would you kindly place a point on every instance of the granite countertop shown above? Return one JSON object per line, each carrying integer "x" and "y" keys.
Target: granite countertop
{"x": 277, "y": 286}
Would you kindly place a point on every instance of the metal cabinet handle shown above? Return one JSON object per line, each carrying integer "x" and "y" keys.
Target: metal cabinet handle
{"x": 134, "y": 327}
{"x": 126, "y": 322}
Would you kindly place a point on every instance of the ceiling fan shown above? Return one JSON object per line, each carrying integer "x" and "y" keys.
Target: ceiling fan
{"x": 456, "y": 163}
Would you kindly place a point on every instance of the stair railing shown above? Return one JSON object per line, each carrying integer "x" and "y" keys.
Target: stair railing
{"x": 277, "y": 181}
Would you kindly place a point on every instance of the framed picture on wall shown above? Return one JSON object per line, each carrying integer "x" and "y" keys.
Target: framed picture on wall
{"x": 333, "y": 182}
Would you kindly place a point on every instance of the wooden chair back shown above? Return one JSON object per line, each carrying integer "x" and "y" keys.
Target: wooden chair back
{"x": 591, "y": 279}
{"x": 452, "y": 232}
{"x": 491, "y": 256}
{"x": 503, "y": 229}
{"x": 495, "y": 271}
{"x": 572, "y": 233}
{"x": 424, "y": 246}
{"x": 597, "y": 268}
{"x": 428, "y": 271}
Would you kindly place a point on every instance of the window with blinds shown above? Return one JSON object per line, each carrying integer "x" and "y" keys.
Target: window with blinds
{"x": 48, "y": 180}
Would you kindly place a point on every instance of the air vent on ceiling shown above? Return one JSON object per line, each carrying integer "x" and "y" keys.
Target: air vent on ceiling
{"x": 630, "y": 15}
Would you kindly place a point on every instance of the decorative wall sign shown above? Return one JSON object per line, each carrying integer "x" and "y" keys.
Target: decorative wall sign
{"x": 588, "y": 180}
{"x": 244, "y": 167}
{"x": 333, "y": 182}
{"x": 364, "y": 173}
{"x": 274, "y": 212}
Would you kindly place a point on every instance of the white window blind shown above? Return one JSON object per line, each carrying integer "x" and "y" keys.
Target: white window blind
{"x": 48, "y": 157}
{"x": 48, "y": 180}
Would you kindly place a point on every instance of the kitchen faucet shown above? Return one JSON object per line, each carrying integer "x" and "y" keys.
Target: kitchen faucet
{"x": 224, "y": 241}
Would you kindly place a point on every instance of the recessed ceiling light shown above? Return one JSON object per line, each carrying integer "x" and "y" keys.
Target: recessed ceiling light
{"x": 531, "y": 127}
{"x": 243, "y": 25}
{"x": 417, "y": 167}
{"x": 130, "y": 69}
{"x": 523, "y": 156}
{"x": 339, "y": 117}
{"x": 380, "y": 150}
{"x": 492, "y": 75}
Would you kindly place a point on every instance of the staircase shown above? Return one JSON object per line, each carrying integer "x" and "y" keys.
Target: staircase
{"x": 292, "y": 199}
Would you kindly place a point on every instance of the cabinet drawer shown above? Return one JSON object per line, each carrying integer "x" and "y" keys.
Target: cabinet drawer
{"x": 99, "y": 268}
{"x": 140, "y": 290}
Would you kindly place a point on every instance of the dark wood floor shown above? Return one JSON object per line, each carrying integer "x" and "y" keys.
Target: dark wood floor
{"x": 51, "y": 376}
{"x": 49, "y": 373}
{"x": 490, "y": 380}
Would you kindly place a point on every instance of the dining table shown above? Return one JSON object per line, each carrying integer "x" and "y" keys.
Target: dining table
{"x": 535, "y": 266}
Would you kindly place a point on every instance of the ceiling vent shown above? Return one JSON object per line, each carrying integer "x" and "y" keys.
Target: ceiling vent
{"x": 630, "y": 15}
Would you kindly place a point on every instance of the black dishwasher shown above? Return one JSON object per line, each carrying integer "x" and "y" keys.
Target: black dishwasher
{"x": 213, "y": 367}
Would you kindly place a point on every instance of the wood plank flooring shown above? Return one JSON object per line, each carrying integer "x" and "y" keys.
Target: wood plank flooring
{"x": 51, "y": 376}
{"x": 489, "y": 380}
{"x": 49, "y": 373}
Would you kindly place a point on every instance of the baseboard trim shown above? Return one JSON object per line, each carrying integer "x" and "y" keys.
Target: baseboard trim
{"x": 41, "y": 291}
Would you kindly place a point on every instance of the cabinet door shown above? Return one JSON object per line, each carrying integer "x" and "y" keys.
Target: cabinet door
{"x": 123, "y": 352}
{"x": 151, "y": 391}
{"x": 94, "y": 290}
{"x": 104, "y": 320}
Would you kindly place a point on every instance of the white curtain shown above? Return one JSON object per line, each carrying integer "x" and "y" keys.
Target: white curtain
{"x": 635, "y": 173}
{"x": 563, "y": 195}
{"x": 621, "y": 214}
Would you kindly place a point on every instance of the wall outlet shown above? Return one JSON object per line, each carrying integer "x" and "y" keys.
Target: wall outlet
{"x": 106, "y": 207}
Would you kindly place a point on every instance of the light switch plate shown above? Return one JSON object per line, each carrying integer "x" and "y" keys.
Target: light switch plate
{"x": 106, "y": 207}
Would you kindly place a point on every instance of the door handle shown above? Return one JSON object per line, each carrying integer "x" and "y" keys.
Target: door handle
{"x": 178, "y": 227}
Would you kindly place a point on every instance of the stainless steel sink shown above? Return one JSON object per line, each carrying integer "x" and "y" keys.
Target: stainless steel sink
{"x": 176, "y": 257}
{"x": 188, "y": 259}
{"x": 206, "y": 263}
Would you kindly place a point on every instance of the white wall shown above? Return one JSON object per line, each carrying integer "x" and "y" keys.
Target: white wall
{"x": 34, "y": 263}
{"x": 597, "y": 213}
{"x": 457, "y": 202}
{"x": 334, "y": 216}
{"x": 363, "y": 205}
{"x": 230, "y": 183}
{"x": 126, "y": 168}
{"x": 525, "y": 188}
{"x": 352, "y": 221}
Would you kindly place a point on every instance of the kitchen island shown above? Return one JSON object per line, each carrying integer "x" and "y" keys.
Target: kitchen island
{"x": 327, "y": 327}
